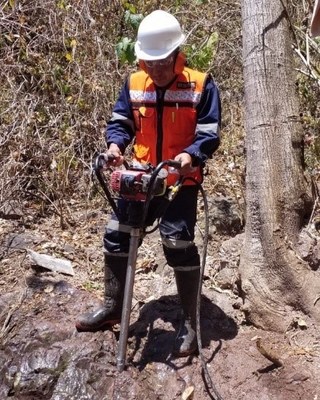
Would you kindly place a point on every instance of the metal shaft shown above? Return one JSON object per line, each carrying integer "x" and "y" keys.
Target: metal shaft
{"x": 127, "y": 300}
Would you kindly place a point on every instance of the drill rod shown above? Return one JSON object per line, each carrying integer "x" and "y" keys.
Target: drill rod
{"x": 127, "y": 301}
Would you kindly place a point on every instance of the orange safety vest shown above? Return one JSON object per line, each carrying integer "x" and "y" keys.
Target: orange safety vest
{"x": 164, "y": 132}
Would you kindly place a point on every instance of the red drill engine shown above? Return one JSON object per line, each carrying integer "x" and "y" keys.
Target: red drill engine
{"x": 133, "y": 184}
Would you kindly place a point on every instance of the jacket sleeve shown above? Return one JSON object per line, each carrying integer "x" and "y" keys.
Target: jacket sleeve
{"x": 207, "y": 133}
{"x": 120, "y": 128}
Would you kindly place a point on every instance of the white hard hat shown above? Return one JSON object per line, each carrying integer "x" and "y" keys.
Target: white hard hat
{"x": 159, "y": 34}
{"x": 315, "y": 21}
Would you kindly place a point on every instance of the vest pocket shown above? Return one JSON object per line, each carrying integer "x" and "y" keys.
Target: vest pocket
{"x": 147, "y": 122}
{"x": 144, "y": 119}
{"x": 179, "y": 127}
{"x": 145, "y": 141}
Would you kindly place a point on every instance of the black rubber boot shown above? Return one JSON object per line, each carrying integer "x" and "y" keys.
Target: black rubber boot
{"x": 187, "y": 285}
{"x": 115, "y": 269}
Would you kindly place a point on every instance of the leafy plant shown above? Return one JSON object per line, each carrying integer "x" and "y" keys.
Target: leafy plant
{"x": 125, "y": 47}
{"x": 203, "y": 56}
{"x": 125, "y": 50}
{"x": 133, "y": 19}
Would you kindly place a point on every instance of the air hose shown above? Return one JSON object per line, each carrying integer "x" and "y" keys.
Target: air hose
{"x": 208, "y": 381}
{"x": 206, "y": 375}
{"x": 155, "y": 173}
{"x": 97, "y": 167}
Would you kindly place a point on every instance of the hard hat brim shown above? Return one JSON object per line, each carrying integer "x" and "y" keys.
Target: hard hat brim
{"x": 156, "y": 54}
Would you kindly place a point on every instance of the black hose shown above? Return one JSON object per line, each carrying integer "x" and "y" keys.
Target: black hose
{"x": 97, "y": 169}
{"x": 150, "y": 191}
{"x": 209, "y": 383}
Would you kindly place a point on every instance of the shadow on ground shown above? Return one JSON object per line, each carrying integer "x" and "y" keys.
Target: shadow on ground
{"x": 154, "y": 338}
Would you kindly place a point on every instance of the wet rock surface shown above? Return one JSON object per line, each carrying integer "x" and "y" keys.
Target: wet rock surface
{"x": 42, "y": 356}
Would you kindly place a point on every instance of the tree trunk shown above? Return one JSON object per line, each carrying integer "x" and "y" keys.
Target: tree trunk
{"x": 277, "y": 284}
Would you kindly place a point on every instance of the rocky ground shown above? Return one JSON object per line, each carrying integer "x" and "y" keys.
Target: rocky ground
{"x": 42, "y": 356}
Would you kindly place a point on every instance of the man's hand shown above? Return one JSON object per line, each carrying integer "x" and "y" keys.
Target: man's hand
{"x": 114, "y": 156}
{"x": 186, "y": 163}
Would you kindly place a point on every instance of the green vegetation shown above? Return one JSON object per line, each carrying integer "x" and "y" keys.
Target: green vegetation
{"x": 62, "y": 65}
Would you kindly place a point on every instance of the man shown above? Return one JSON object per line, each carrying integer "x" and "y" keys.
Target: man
{"x": 171, "y": 112}
{"x": 315, "y": 20}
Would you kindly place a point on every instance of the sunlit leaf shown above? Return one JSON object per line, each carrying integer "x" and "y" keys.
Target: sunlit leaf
{"x": 130, "y": 7}
{"x": 125, "y": 50}
{"x": 133, "y": 19}
{"x": 68, "y": 57}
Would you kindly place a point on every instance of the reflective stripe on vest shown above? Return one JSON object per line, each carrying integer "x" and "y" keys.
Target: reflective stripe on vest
{"x": 179, "y": 116}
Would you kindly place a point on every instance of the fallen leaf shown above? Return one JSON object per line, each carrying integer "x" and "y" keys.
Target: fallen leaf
{"x": 302, "y": 324}
{"x": 49, "y": 288}
{"x": 188, "y": 393}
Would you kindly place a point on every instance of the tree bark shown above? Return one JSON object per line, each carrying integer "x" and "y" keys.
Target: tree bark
{"x": 277, "y": 284}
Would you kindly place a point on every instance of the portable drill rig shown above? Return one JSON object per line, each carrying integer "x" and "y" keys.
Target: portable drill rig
{"x": 138, "y": 184}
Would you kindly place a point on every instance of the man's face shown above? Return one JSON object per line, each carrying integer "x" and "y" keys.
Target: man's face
{"x": 161, "y": 71}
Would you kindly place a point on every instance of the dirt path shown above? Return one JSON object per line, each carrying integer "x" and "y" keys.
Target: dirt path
{"x": 42, "y": 356}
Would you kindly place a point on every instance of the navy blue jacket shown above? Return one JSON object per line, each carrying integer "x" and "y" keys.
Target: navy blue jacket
{"x": 121, "y": 130}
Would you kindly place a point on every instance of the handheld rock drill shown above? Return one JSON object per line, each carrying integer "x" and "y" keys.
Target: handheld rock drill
{"x": 138, "y": 184}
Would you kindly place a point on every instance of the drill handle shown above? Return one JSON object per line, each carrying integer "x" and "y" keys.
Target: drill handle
{"x": 174, "y": 164}
{"x": 103, "y": 161}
